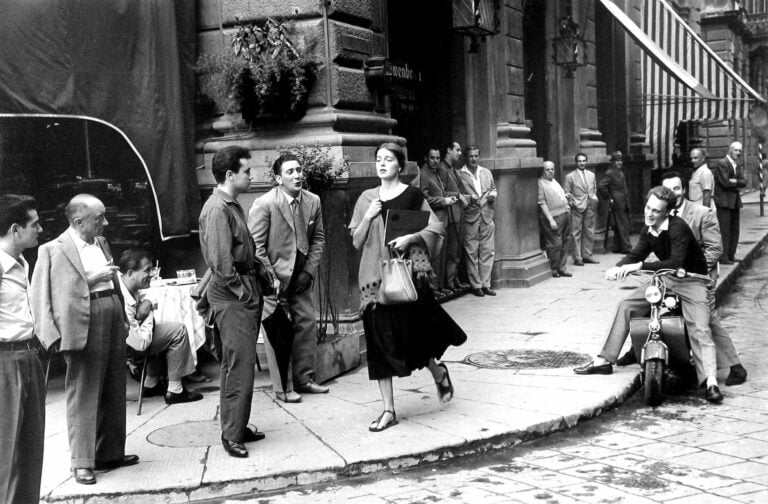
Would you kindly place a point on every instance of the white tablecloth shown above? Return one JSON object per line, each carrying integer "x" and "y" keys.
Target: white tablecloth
{"x": 174, "y": 304}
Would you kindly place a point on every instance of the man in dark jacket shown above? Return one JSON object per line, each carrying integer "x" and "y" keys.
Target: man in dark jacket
{"x": 673, "y": 243}
{"x": 729, "y": 179}
{"x": 613, "y": 188}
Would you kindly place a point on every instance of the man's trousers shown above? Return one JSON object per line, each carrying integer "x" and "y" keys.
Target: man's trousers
{"x": 556, "y": 240}
{"x": 621, "y": 243}
{"x": 695, "y": 304}
{"x": 22, "y": 426}
{"x": 478, "y": 249}
{"x": 95, "y": 388}
{"x": 172, "y": 340}
{"x": 729, "y": 219}
{"x": 583, "y": 231}
{"x": 726, "y": 352}
{"x": 237, "y": 321}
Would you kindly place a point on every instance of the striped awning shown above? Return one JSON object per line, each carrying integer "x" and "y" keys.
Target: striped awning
{"x": 696, "y": 85}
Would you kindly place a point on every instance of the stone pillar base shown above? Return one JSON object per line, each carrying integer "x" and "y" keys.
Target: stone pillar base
{"x": 520, "y": 271}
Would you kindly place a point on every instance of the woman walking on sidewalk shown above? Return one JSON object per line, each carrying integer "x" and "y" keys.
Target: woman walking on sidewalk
{"x": 402, "y": 337}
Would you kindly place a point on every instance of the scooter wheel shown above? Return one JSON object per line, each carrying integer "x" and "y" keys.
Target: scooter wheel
{"x": 653, "y": 383}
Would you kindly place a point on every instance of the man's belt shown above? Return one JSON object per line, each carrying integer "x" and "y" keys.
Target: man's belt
{"x": 17, "y": 346}
{"x": 102, "y": 293}
{"x": 242, "y": 270}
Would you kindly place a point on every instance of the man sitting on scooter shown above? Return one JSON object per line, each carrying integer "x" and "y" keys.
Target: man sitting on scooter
{"x": 673, "y": 243}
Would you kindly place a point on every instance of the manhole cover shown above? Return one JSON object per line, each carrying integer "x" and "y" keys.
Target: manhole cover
{"x": 187, "y": 434}
{"x": 525, "y": 359}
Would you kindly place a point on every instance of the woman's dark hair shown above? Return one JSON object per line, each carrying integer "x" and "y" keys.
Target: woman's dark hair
{"x": 277, "y": 166}
{"x": 228, "y": 159}
{"x": 14, "y": 209}
{"x": 396, "y": 150}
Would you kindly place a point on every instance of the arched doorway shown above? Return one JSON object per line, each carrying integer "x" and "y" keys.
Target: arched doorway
{"x": 535, "y": 73}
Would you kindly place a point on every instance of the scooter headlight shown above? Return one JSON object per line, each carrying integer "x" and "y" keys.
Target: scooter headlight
{"x": 670, "y": 302}
{"x": 652, "y": 294}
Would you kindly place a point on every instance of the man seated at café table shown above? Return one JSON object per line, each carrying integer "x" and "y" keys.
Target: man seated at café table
{"x": 158, "y": 338}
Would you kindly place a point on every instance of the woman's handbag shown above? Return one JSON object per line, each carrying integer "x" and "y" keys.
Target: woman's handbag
{"x": 397, "y": 281}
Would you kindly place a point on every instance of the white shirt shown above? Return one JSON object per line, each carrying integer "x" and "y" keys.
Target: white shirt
{"x": 664, "y": 227}
{"x": 475, "y": 179}
{"x": 702, "y": 180}
{"x": 16, "y": 322}
{"x": 93, "y": 259}
{"x": 139, "y": 334}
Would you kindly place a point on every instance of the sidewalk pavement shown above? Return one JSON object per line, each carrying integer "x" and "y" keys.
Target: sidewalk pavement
{"x": 499, "y": 401}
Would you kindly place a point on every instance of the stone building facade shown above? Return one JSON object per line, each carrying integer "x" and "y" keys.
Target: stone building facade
{"x": 502, "y": 92}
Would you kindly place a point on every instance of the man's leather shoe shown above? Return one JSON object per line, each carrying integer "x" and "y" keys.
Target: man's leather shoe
{"x": 566, "y": 274}
{"x": 156, "y": 391}
{"x": 627, "y": 359}
{"x": 477, "y": 292}
{"x": 127, "y": 460}
{"x": 460, "y": 286}
{"x": 288, "y": 397}
{"x": 252, "y": 434}
{"x": 592, "y": 369}
{"x": 737, "y": 376}
{"x": 488, "y": 291}
{"x": 84, "y": 476}
{"x": 312, "y": 388}
{"x": 589, "y": 260}
{"x": 184, "y": 397}
{"x": 713, "y": 394}
{"x": 233, "y": 448}
{"x": 555, "y": 273}
{"x": 578, "y": 263}
{"x": 726, "y": 261}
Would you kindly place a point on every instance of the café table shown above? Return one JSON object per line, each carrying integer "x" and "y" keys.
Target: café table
{"x": 175, "y": 304}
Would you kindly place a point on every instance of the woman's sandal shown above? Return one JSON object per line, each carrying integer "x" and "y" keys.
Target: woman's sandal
{"x": 444, "y": 392}
{"x": 374, "y": 427}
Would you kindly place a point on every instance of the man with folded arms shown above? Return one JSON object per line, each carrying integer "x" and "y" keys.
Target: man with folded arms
{"x": 77, "y": 305}
{"x": 22, "y": 390}
{"x": 147, "y": 335}
{"x": 673, "y": 243}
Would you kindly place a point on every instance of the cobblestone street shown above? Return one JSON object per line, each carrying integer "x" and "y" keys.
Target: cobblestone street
{"x": 686, "y": 451}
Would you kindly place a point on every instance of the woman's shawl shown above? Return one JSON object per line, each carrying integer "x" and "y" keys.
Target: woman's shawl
{"x": 369, "y": 274}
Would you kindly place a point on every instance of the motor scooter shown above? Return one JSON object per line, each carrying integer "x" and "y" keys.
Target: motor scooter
{"x": 660, "y": 341}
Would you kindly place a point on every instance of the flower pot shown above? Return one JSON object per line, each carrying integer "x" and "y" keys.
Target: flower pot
{"x": 338, "y": 354}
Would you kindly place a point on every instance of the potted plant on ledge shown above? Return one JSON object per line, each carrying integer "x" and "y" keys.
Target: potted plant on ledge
{"x": 263, "y": 77}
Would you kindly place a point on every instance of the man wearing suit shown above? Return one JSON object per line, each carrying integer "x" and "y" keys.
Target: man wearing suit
{"x": 672, "y": 242}
{"x": 441, "y": 190}
{"x": 613, "y": 187}
{"x": 703, "y": 223}
{"x": 729, "y": 179}
{"x": 233, "y": 293}
{"x": 478, "y": 229}
{"x": 77, "y": 306}
{"x": 453, "y": 232}
{"x": 287, "y": 228}
{"x": 580, "y": 185}
{"x": 22, "y": 384}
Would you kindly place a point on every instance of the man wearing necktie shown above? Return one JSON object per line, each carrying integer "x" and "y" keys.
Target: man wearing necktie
{"x": 287, "y": 228}
{"x": 78, "y": 308}
{"x": 581, "y": 188}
